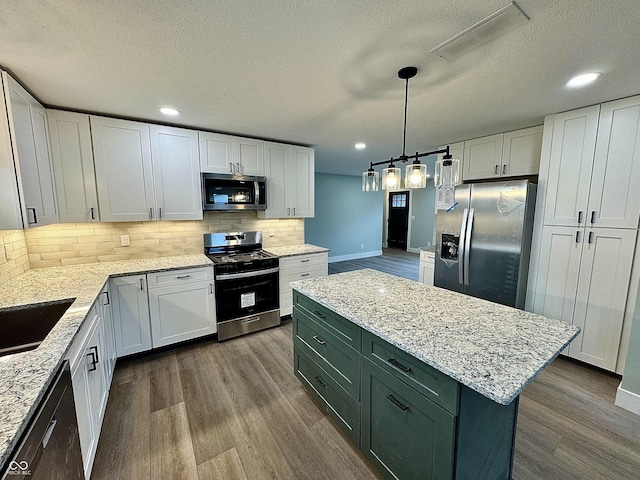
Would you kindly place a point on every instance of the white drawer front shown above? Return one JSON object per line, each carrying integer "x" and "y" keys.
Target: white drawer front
{"x": 176, "y": 277}
{"x": 288, "y": 276}
{"x": 300, "y": 260}
{"x": 427, "y": 256}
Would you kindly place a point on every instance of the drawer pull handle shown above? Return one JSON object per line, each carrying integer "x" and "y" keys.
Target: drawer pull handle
{"x": 305, "y": 260}
{"x": 304, "y": 275}
{"x": 398, "y": 365}
{"x": 183, "y": 276}
{"x": 318, "y": 314}
{"x": 580, "y": 216}
{"x": 94, "y": 358}
{"x": 320, "y": 382}
{"x": 398, "y": 404}
{"x": 319, "y": 340}
{"x": 593, "y": 216}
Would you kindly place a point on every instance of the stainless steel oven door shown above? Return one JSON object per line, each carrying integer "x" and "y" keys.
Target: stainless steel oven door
{"x": 246, "y": 293}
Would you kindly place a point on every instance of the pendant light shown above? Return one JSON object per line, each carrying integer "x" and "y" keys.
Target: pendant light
{"x": 416, "y": 173}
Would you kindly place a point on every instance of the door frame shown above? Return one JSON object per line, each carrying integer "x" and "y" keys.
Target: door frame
{"x": 385, "y": 218}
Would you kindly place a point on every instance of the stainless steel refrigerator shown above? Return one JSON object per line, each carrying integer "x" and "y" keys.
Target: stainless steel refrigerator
{"x": 483, "y": 241}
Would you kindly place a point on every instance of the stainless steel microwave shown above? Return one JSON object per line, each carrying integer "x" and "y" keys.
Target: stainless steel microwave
{"x": 224, "y": 192}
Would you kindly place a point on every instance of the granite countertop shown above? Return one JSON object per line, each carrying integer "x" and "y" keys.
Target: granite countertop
{"x": 292, "y": 250}
{"x": 25, "y": 377}
{"x": 431, "y": 248}
{"x": 492, "y": 349}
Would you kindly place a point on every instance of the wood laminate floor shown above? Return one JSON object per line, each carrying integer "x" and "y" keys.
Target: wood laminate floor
{"x": 394, "y": 261}
{"x": 234, "y": 410}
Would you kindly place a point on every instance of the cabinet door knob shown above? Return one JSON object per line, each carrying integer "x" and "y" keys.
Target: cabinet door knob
{"x": 93, "y": 215}
{"x": 580, "y": 216}
{"x": 578, "y": 236}
{"x": 497, "y": 170}
{"x": 150, "y": 213}
{"x": 593, "y": 216}
{"x": 231, "y": 167}
{"x": 504, "y": 169}
{"x": 590, "y": 240}
{"x": 239, "y": 168}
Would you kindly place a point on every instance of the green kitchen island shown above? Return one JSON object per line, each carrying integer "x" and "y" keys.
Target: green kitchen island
{"x": 424, "y": 381}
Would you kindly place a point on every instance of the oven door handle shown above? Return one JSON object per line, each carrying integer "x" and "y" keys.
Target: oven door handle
{"x": 256, "y": 273}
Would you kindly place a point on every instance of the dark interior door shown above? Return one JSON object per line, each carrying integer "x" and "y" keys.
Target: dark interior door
{"x": 398, "y": 220}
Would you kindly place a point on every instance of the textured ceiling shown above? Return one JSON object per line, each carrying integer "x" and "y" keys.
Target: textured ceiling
{"x": 321, "y": 72}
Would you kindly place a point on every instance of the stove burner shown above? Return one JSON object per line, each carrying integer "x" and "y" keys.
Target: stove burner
{"x": 239, "y": 257}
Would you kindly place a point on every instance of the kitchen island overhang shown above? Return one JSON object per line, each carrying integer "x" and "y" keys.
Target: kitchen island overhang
{"x": 451, "y": 365}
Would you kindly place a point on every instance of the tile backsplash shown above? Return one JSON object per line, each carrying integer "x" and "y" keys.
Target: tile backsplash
{"x": 14, "y": 259}
{"x": 75, "y": 243}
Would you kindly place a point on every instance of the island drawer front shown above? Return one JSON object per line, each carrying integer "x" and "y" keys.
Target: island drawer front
{"x": 404, "y": 434}
{"x": 336, "y": 357}
{"x": 345, "y": 330}
{"x": 301, "y": 260}
{"x": 176, "y": 277}
{"x": 343, "y": 409}
{"x": 430, "y": 382}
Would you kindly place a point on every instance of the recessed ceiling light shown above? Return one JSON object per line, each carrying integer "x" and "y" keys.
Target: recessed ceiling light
{"x": 361, "y": 146}
{"x": 582, "y": 80}
{"x": 169, "y": 111}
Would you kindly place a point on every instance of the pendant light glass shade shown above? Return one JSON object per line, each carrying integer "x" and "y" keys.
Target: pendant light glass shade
{"x": 447, "y": 172}
{"x": 416, "y": 176}
{"x": 391, "y": 178}
{"x": 370, "y": 181}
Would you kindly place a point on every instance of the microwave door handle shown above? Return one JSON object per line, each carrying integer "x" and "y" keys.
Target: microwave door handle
{"x": 467, "y": 246}
{"x": 256, "y": 188}
{"x": 463, "y": 231}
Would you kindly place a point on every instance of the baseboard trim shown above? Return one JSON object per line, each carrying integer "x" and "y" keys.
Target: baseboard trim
{"x": 355, "y": 256}
{"x": 628, "y": 400}
{"x": 413, "y": 250}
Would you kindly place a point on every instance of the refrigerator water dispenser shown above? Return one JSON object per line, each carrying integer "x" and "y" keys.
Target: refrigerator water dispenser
{"x": 450, "y": 245}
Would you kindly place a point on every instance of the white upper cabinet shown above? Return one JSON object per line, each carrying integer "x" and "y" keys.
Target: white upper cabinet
{"x": 145, "y": 172}
{"x": 221, "y": 153}
{"x": 27, "y": 125}
{"x": 569, "y": 165}
{"x": 248, "y": 156}
{"x": 72, "y": 158}
{"x": 521, "y": 152}
{"x": 122, "y": 153}
{"x": 482, "y": 157}
{"x": 216, "y": 153}
{"x": 176, "y": 173}
{"x": 290, "y": 181}
{"x": 614, "y": 199}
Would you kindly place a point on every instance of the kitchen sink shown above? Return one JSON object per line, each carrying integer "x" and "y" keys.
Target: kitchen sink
{"x": 24, "y": 328}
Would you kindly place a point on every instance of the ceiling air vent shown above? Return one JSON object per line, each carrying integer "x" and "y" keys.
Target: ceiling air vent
{"x": 499, "y": 22}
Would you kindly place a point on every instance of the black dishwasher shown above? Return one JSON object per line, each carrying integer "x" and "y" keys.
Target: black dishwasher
{"x": 50, "y": 448}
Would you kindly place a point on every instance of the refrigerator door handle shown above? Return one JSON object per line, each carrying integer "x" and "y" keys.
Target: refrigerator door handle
{"x": 461, "y": 250}
{"x": 467, "y": 246}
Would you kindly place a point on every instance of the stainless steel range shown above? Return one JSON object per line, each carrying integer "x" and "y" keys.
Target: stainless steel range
{"x": 247, "y": 283}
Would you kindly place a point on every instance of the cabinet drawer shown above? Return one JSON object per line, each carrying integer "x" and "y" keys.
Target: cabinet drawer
{"x": 336, "y": 357}
{"x": 404, "y": 434}
{"x": 345, "y": 330}
{"x": 430, "y": 382}
{"x": 300, "y": 273}
{"x": 427, "y": 256}
{"x": 343, "y": 409}
{"x": 301, "y": 260}
{"x": 176, "y": 277}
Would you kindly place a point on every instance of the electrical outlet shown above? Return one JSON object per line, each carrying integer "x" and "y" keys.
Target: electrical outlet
{"x": 124, "y": 240}
{"x": 272, "y": 232}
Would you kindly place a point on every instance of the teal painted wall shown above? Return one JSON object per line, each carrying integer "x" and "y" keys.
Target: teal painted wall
{"x": 423, "y": 209}
{"x": 345, "y": 216}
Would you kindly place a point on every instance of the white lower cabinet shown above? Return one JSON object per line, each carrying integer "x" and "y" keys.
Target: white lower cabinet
{"x": 130, "y": 310}
{"x": 299, "y": 267}
{"x": 181, "y": 305}
{"x": 427, "y": 267}
{"x": 583, "y": 279}
{"x": 91, "y": 373}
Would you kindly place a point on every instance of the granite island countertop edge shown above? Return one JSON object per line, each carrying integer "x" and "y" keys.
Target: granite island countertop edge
{"x": 502, "y": 396}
